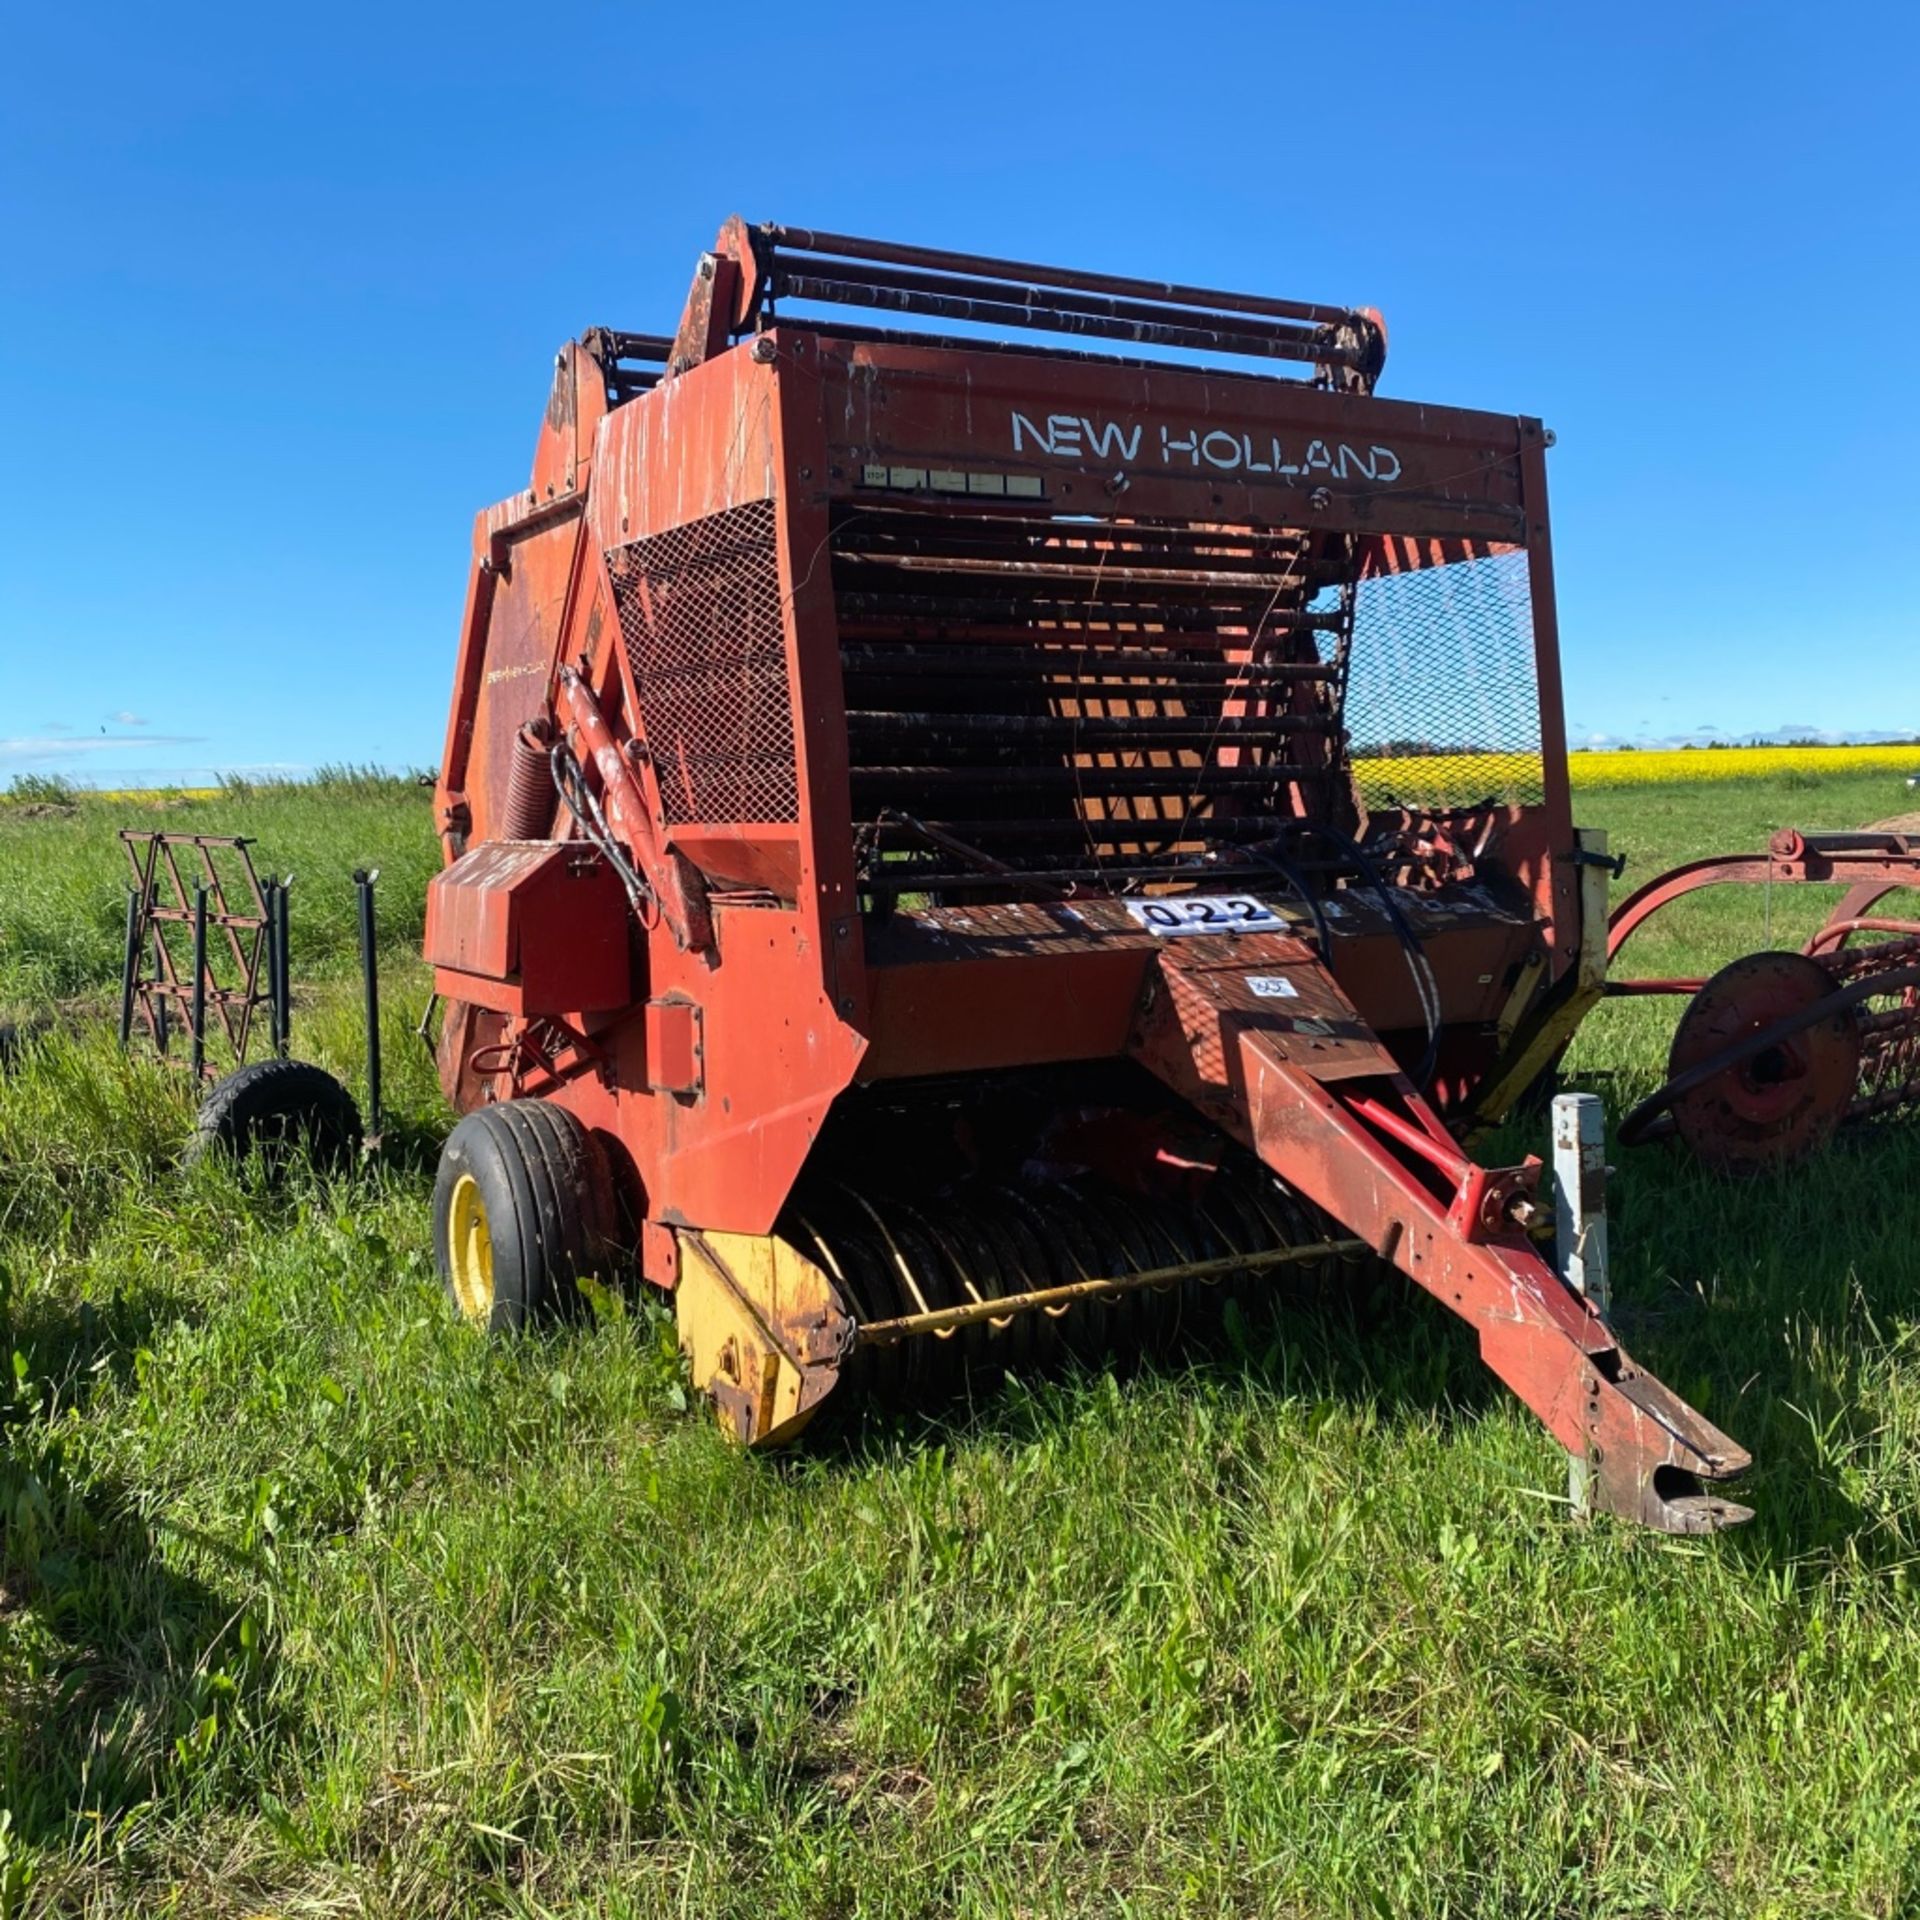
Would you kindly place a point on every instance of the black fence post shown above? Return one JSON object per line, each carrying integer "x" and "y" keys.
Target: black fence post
{"x": 130, "y": 967}
{"x": 270, "y": 929}
{"x": 370, "y": 983}
{"x": 282, "y": 928}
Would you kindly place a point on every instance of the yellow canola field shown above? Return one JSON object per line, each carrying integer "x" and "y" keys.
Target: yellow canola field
{"x": 1465, "y": 779}
{"x": 1634, "y": 766}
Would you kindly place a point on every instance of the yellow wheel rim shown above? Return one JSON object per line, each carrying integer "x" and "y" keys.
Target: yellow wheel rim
{"x": 470, "y": 1251}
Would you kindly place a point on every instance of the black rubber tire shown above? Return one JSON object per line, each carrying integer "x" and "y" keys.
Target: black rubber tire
{"x": 547, "y": 1194}
{"x": 279, "y": 1108}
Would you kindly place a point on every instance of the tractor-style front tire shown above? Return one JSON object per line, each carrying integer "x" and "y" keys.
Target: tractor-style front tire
{"x": 522, "y": 1213}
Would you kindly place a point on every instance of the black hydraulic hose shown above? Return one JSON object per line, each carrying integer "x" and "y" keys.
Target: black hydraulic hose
{"x": 1426, "y": 987}
{"x": 570, "y": 782}
{"x": 1291, "y": 874}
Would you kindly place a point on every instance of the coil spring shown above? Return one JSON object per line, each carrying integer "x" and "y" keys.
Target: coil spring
{"x": 528, "y": 814}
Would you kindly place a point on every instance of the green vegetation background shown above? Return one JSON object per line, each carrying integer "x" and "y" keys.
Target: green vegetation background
{"x": 310, "y": 1602}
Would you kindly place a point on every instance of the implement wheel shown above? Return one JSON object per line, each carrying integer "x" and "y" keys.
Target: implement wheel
{"x": 280, "y": 1109}
{"x": 1778, "y": 1107}
{"x": 522, "y": 1213}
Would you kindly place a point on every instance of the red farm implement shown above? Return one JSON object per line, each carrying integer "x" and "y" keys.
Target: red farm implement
{"x": 958, "y": 840}
{"x": 1779, "y": 1050}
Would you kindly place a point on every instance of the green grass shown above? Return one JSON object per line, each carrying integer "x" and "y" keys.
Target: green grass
{"x": 312, "y": 1603}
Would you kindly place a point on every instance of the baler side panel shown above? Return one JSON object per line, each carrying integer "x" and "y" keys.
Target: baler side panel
{"x": 517, "y": 598}
{"x": 699, "y": 509}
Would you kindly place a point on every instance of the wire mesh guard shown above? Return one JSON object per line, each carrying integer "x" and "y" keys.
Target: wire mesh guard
{"x": 700, "y": 614}
{"x": 1442, "y": 702}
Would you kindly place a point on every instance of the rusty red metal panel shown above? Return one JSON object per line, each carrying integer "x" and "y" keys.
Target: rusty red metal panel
{"x": 674, "y": 1054}
{"x": 534, "y": 927}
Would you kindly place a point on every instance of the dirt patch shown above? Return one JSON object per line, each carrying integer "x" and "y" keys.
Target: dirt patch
{"x": 43, "y": 810}
{"x": 1900, "y": 823}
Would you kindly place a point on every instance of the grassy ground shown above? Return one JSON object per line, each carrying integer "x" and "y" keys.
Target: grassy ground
{"x": 313, "y": 1603}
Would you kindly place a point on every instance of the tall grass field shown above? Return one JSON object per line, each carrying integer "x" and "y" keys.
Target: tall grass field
{"x": 312, "y": 1602}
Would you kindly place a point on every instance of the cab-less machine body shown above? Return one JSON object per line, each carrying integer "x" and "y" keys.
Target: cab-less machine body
{"x": 959, "y": 841}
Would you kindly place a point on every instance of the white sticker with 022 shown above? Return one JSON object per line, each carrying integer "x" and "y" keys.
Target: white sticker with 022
{"x": 1206, "y": 913}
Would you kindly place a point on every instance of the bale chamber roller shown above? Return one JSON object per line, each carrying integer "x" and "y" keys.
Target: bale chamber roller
{"x": 963, "y": 833}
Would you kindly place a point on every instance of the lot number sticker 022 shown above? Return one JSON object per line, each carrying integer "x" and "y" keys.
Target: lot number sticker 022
{"x": 1207, "y": 913}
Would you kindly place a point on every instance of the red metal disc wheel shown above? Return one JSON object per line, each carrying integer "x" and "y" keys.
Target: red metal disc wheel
{"x": 1780, "y": 1105}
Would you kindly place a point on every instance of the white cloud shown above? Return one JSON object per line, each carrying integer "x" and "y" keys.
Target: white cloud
{"x": 50, "y": 746}
{"x": 125, "y": 719}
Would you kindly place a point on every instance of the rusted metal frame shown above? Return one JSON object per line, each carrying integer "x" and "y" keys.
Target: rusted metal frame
{"x": 1136, "y": 782}
{"x": 1033, "y": 877}
{"x": 1131, "y": 319}
{"x": 813, "y": 240}
{"x": 1846, "y": 962}
{"x": 143, "y": 875}
{"x": 1048, "y": 319}
{"x": 1423, "y": 1140}
{"x": 1457, "y": 464}
{"x": 1549, "y": 1346}
{"x": 708, "y": 319}
{"x": 984, "y": 523}
{"x": 1836, "y": 933}
{"x": 1536, "y": 1334}
{"x": 1813, "y": 860}
{"x": 1560, "y": 898}
{"x": 945, "y": 1320}
{"x": 494, "y": 533}
{"x": 803, "y": 528}
{"x": 166, "y": 983}
{"x": 828, "y": 331}
{"x": 608, "y": 344}
{"x": 244, "y": 962}
{"x": 1133, "y": 670}
{"x": 1094, "y": 732}
{"x": 1074, "y": 572}
{"x": 1136, "y": 827}
{"x": 1071, "y": 618}
{"x": 234, "y": 1005}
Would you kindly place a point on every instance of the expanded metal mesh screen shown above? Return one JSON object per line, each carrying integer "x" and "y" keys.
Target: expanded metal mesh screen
{"x": 700, "y": 615}
{"x": 1442, "y": 703}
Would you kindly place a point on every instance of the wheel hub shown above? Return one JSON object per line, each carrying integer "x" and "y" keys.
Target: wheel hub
{"x": 1786, "y": 1100}
{"x": 470, "y": 1250}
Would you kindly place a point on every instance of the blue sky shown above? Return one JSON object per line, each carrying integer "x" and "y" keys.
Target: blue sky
{"x": 281, "y": 287}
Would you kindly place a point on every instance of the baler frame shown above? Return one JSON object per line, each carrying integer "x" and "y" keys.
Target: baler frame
{"x": 784, "y": 585}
